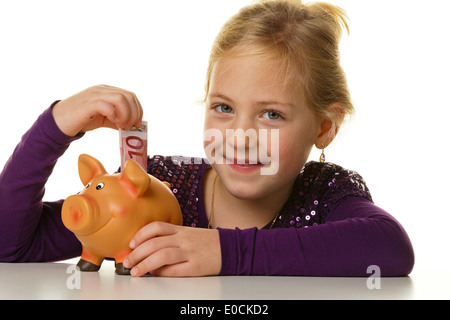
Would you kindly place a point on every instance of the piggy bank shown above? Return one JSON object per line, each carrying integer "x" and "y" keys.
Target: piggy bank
{"x": 111, "y": 208}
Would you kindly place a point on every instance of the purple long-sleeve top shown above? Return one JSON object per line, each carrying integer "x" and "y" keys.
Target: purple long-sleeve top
{"x": 328, "y": 227}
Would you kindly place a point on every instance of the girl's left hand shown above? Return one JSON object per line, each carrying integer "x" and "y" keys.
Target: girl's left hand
{"x": 164, "y": 249}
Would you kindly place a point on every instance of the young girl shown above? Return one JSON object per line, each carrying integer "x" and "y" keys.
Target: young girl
{"x": 274, "y": 68}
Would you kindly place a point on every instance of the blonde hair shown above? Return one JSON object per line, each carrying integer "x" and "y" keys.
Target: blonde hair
{"x": 305, "y": 37}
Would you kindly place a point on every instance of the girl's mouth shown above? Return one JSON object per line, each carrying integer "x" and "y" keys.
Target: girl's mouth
{"x": 244, "y": 167}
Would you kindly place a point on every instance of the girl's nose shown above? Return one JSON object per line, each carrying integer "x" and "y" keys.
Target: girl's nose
{"x": 242, "y": 140}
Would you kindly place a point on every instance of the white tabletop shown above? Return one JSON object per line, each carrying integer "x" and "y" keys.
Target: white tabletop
{"x": 62, "y": 281}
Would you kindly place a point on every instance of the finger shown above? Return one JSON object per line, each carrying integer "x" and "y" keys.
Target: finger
{"x": 146, "y": 249}
{"x": 140, "y": 111}
{"x": 150, "y": 231}
{"x": 123, "y": 109}
{"x": 133, "y": 111}
{"x": 161, "y": 258}
{"x": 108, "y": 124}
{"x": 129, "y": 108}
{"x": 180, "y": 269}
{"x": 105, "y": 109}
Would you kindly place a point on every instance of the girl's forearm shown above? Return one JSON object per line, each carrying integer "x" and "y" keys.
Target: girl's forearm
{"x": 23, "y": 214}
{"x": 356, "y": 235}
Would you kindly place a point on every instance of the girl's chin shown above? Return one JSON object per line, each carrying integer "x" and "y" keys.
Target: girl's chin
{"x": 244, "y": 194}
{"x": 244, "y": 183}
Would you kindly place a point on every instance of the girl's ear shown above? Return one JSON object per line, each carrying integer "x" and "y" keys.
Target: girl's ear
{"x": 326, "y": 135}
{"x": 329, "y": 125}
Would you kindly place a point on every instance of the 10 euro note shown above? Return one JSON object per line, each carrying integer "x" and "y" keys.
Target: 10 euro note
{"x": 133, "y": 145}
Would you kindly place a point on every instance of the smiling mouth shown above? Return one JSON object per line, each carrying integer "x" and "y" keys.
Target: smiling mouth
{"x": 244, "y": 165}
{"x": 245, "y": 168}
{"x": 244, "y": 161}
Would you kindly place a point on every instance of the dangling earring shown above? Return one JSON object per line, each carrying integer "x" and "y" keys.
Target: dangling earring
{"x": 322, "y": 156}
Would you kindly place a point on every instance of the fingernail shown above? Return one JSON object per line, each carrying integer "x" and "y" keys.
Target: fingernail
{"x": 134, "y": 272}
{"x": 125, "y": 263}
{"x": 131, "y": 245}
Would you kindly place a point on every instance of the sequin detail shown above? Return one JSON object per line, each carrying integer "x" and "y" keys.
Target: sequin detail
{"x": 184, "y": 176}
{"x": 318, "y": 188}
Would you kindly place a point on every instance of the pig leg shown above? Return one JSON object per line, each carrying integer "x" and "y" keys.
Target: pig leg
{"x": 87, "y": 266}
{"x": 120, "y": 269}
{"x": 89, "y": 261}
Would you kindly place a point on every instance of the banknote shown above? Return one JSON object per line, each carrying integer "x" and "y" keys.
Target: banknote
{"x": 133, "y": 145}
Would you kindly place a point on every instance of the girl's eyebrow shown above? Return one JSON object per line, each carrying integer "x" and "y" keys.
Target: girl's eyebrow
{"x": 261, "y": 103}
{"x": 221, "y": 96}
{"x": 277, "y": 103}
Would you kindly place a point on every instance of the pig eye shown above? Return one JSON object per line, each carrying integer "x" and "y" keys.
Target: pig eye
{"x": 88, "y": 185}
{"x": 100, "y": 186}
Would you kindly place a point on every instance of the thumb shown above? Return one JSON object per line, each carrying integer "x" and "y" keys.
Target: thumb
{"x": 107, "y": 110}
{"x": 108, "y": 124}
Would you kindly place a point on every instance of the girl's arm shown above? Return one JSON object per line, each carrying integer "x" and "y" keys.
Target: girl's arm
{"x": 356, "y": 235}
{"x": 31, "y": 230}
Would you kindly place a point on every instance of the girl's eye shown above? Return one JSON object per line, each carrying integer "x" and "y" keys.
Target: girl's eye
{"x": 271, "y": 115}
{"x": 100, "y": 186}
{"x": 88, "y": 185}
{"x": 223, "y": 108}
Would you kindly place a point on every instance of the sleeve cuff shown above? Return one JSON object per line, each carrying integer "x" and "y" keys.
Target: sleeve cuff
{"x": 53, "y": 131}
{"x": 228, "y": 251}
{"x": 237, "y": 248}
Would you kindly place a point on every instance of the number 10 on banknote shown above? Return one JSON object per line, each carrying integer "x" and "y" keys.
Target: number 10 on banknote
{"x": 133, "y": 145}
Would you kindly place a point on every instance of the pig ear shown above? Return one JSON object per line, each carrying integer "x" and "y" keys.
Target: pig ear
{"x": 135, "y": 178}
{"x": 88, "y": 168}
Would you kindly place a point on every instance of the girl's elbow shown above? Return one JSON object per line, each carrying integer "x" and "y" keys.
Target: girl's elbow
{"x": 400, "y": 257}
{"x": 406, "y": 260}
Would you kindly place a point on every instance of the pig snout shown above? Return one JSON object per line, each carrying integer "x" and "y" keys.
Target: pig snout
{"x": 78, "y": 214}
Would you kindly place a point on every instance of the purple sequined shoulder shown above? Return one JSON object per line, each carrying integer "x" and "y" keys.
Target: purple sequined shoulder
{"x": 318, "y": 188}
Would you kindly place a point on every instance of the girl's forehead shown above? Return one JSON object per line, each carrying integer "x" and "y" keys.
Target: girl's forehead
{"x": 253, "y": 72}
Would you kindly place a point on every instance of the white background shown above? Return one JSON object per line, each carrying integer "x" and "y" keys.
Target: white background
{"x": 396, "y": 59}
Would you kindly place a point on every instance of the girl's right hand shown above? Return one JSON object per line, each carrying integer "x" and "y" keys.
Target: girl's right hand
{"x": 96, "y": 107}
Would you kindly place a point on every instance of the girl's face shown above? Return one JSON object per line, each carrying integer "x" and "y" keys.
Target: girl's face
{"x": 252, "y": 116}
